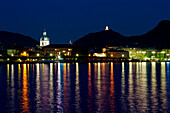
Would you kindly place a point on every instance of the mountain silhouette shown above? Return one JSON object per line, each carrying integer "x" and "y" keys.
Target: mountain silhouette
{"x": 8, "y": 38}
{"x": 156, "y": 38}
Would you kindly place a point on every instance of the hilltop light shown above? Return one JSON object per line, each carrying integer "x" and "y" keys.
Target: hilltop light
{"x": 107, "y": 28}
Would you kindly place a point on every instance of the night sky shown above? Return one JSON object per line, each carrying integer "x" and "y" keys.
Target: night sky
{"x": 66, "y": 20}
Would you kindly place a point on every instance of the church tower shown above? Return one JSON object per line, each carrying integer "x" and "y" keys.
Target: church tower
{"x": 44, "y": 40}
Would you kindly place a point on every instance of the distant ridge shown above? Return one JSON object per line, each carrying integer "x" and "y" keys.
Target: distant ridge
{"x": 8, "y": 38}
{"x": 156, "y": 38}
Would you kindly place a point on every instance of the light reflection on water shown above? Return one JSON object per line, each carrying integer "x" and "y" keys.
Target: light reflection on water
{"x": 92, "y": 87}
{"x": 25, "y": 99}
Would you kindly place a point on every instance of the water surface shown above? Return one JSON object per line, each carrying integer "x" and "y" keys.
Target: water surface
{"x": 92, "y": 87}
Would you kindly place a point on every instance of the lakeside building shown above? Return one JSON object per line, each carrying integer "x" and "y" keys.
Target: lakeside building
{"x": 150, "y": 54}
{"x": 12, "y": 52}
{"x": 98, "y": 54}
{"x": 116, "y": 52}
{"x": 44, "y": 40}
{"x": 58, "y": 50}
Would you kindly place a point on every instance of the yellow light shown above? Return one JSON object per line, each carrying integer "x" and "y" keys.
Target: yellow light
{"x": 107, "y": 28}
{"x": 12, "y": 54}
{"x": 77, "y": 55}
{"x": 19, "y": 60}
{"x": 153, "y": 52}
{"x": 123, "y": 55}
{"x": 163, "y": 52}
{"x": 24, "y": 53}
{"x": 51, "y": 54}
{"x": 38, "y": 54}
{"x": 64, "y": 51}
{"x": 8, "y": 59}
{"x": 111, "y": 55}
{"x": 99, "y": 54}
{"x": 143, "y": 51}
{"x": 89, "y": 55}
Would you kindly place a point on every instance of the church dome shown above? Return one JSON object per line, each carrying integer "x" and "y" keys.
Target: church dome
{"x": 44, "y": 37}
{"x": 44, "y": 40}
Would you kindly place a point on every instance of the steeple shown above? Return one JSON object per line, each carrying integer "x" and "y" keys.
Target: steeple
{"x": 44, "y": 33}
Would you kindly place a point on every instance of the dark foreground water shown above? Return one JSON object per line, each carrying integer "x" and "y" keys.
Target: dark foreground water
{"x": 92, "y": 87}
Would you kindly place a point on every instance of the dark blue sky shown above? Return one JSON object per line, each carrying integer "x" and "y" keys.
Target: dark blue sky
{"x": 67, "y": 20}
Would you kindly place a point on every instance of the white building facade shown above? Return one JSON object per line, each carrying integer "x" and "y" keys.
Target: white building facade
{"x": 44, "y": 40}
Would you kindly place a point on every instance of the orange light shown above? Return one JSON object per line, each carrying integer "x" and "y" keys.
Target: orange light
{"x": 24, "y": 53}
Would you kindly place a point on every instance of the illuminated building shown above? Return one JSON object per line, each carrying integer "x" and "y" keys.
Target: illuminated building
{"x": 44, "y": 40}
{"x": 12, "y": 52}
{"x": 24, "y": 53}
{"x": 118, "y": 53}
{"x": 141, "y": 53}
{"x": 99, "y": 54}
{"x": 108, "y": 48}
{"x": 58, "y": 49}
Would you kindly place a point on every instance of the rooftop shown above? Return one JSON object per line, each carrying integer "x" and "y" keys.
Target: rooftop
{"x": 59, "y": 46}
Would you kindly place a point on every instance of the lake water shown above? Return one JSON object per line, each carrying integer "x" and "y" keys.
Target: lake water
{"x": 87, "y": 88}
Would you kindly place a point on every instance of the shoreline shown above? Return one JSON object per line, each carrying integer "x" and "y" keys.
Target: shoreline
{"x": 76, "y": 62}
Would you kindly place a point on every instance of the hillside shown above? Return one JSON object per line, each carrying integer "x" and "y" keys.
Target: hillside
{"x": 158, "y": 38}
{"x": 8, "y": 38}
